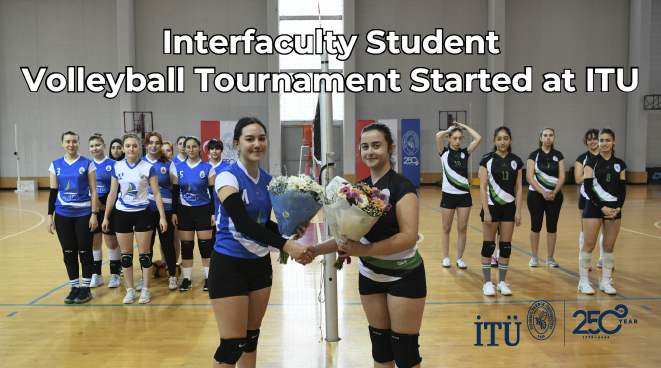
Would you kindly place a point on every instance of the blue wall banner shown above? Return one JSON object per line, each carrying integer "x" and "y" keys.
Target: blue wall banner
{"x": 410, "y": 143}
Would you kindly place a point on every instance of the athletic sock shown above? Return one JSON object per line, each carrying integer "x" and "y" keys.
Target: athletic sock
{"x": 206, "y": 271}
{"x": 86, "y": 282}
{"x": 601, "y": 247}
{"x": 188, "y": 272}
{"x": 486, "y": 271}
{"x": 581, "y": 240}
{"x": 502, "y": 271}
{"x": 584, "y": 260}
{"x": 74, "y": 283}
{"x": 98, "y": 260}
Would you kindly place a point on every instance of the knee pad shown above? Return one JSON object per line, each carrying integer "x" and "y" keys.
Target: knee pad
{"x": 381, "y": 347}
{"x": 505, "y": 249}
{"x": 487, "y": 248}
{"x": 252, "y": 336}
{"x": 205, "y": 247}
{"x": 145, "y": 260}
{"x": 405, "y": 348}
{"x": 584, "y": 260}
{"x": 127, "y": 260}
{"x": 86, "y": 257}
{"x": 187, "y": 249}
{"x": 230, "y": 350}
{"x": 70, "y": 257}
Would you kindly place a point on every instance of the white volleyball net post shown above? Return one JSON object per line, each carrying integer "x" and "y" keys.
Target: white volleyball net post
{"x": 19, "y": 187}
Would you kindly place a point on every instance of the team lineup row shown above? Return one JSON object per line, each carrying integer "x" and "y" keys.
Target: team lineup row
{"x": 139, "y": 197}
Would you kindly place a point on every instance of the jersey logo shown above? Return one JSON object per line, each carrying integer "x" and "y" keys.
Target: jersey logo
{"x": 259, "y": 217}
{"x": 463, "y": 155}
{"x": 70, "y": 189}
{"x": 120, "y": 176}
{"x": 513, "y": 164}
{"x": 555, "y": 159}
{"x": 108, "y": 168}
{"x": 131, "y": 192}
{"x": 244, "y": 197}
{"x": 617, "y": 167}
{"x": 81, "y": 171}
{"x": 163, "y": 171}
{"x": 202, "y": 174}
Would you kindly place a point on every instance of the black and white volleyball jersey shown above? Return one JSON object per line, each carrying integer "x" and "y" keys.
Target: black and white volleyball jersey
{"x": 455, "y": 170}
{"x": 606, "y": 181}
{"x": 547, "y": 168}
{"x": 502, "y": 173}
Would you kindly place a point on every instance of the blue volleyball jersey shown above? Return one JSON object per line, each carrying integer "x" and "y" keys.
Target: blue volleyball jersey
{"x": 194, "y": 183}
{"x": 222, "y": 166}
{"x": 176, "y": 160}
{"x": 163, "y": 170}
{"x": 133, "y": 185}
{"x": 228, "y": 240}
{"x": 73, "y": 192}
{"x": 103, "y": 175}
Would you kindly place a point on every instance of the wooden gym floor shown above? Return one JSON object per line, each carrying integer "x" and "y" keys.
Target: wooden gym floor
{"x": 178, "y": 329}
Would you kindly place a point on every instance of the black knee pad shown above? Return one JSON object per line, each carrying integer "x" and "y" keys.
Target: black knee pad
{"x": 187, "y": 249}
{"x": 252, "y": 336}
{"x": 127, "y": 260}
{"x": 145, "y": 260}
{"x": 487, "y": 248}
{"x": 381, "y": 347}
{"x": 205, "y": 247}
{"x": 230, "y": 350}
{"x": 70, "y": 257}
{"x": 405, "y": 348}
{"x": 505, "y": 249}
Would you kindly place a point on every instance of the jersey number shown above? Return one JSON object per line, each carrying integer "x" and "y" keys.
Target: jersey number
{"x": 181, "y": 174}
{"x": 457, "y": 163}
{"x": 58, "y": 171}
{"x": 506, "y": 175}
{"x": 608, "y": 177}
{"x": 548, "y": 165}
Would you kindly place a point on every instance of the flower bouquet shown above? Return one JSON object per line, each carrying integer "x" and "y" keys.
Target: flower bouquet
{"x": 296, "y": 200}
{"x": 352, "y": 210}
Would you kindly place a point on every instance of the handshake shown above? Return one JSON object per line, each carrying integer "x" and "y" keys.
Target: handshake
{"x": 303, "y": 254}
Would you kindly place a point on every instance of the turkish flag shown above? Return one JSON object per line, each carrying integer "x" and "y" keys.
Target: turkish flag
{"x": 209, "y": 130}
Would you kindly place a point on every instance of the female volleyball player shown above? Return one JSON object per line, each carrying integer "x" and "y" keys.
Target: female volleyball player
{"x": 241, "y": 275}
{"x": 72, "y": 198}
{"x": 500, "y": 190}
{"x": 546, "y": 175}
{"x": 181, "y": 157}
{"x": 133, "y": 176}
{"x": 115, "y": 151}
{"x": 215, "y": 153}
{"x": 456, "y": 189}
{"x": 167, "y": 148}
{"x": 164, "y": 171}
{"x": 606, "y": 186}
{"x": 193, "y": 209}
{"x": 104, "y": 165}
{"x": 591, "y": 139}
{"x": 392, "y": 281}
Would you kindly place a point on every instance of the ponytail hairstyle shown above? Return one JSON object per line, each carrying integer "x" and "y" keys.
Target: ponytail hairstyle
{"x": 495, "y": 134}
{"x": 116, "y": 140}
{"x": 542, "y": 133}
{"x": 589, "y": 134}
{"x": 131, "y": 135}
{"x": 244, "y": 122}
{"x": 98, "y": 137}
{"x": 387, "y": 134}
{"x": 162, "y": 157}
{"x": 611, "y": 133}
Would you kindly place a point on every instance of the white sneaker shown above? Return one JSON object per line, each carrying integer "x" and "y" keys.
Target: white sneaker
{"x": 503, "y": 288}
{"x": 461, "y": 263}
{"x": 173, "y": 283}
{"x": 533, "y": 262}
{"x": 488, "y": 289}
{"x": 130, "y": 296}
{"x": 607, "y": 288}
{"x": 446, "y": 262}
{"x": 114, "y": 281}
{"x": 145, "y": 296}
{"x": 97, "y": 280}
{"x": 585, "y": 289}
{"x": 141, "y": 284}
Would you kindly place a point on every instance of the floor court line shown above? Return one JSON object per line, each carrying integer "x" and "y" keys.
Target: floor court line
{"x": 24, "y": 231}
{"x": 653, "y": 236}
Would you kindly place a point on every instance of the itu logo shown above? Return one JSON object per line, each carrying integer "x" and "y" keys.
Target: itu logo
{"x": 541, "y": 320}
{"x": 410, "y": 142}
{"x": 501, "y": 326}
{"x": 589, "y": 317}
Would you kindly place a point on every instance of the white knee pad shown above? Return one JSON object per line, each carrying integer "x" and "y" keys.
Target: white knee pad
{"x": 584, "y": 260}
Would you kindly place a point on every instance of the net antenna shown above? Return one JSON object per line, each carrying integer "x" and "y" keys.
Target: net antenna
{"x": 139, "y": 122}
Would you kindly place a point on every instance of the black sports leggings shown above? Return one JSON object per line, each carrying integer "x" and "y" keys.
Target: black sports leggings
{"x": 76, "y": 238}
{"x": 166, "y": 238}
{"x": 537, "y": 205}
